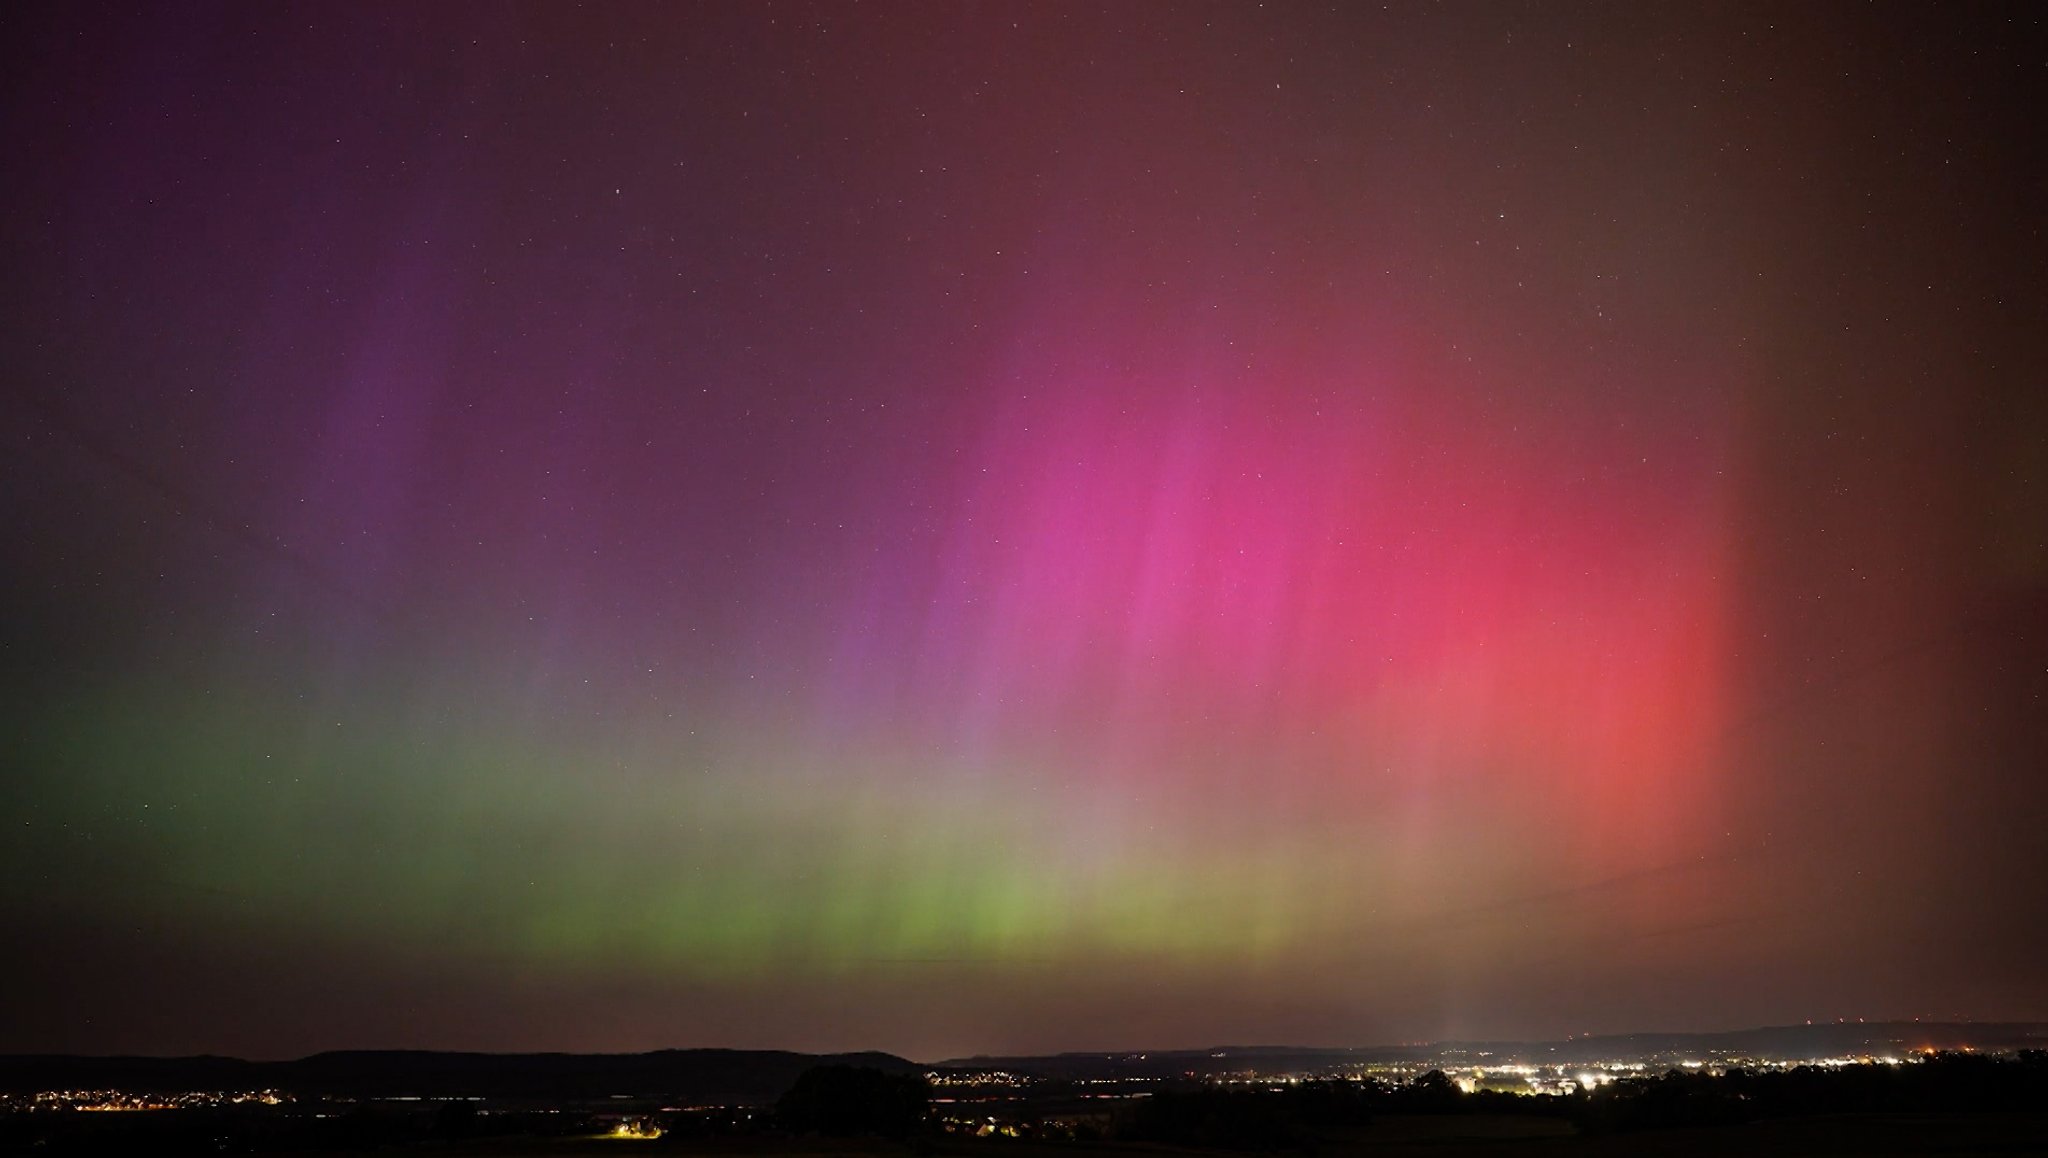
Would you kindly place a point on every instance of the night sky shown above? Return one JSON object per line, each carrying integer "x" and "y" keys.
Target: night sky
{"x": 951, "y": 528}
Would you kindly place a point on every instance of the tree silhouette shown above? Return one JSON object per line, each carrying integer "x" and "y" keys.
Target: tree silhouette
{"x": 842, "y": 1101}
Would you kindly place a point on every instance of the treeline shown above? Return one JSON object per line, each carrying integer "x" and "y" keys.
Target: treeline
{"x": 850, "y": 1101}
{"x": 1942, "y": 1083}
{"x": 1228, "y": 1119}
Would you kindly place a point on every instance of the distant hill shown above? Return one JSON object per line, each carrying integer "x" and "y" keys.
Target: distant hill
{"x": 1792, "y": 1042}
{"x": 696, "y": 1076}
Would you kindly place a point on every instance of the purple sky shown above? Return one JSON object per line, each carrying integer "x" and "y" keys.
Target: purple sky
{"x": 1017, "y": 527}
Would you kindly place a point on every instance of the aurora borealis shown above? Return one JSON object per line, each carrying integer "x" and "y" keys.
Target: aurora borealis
{"x": 1018, "y": 527}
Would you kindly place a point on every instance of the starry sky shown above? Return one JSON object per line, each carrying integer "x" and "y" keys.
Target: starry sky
{"x": 1016, "y": 527}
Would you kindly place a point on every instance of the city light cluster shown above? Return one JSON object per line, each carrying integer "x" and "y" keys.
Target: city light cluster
{"x": 1546, "y": 1079}
{"x": 110, "y": 1101}
{"x": 947, "y": 1079}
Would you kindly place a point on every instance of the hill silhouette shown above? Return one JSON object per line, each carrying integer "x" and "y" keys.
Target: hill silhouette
{"x": 697, "y": 1076}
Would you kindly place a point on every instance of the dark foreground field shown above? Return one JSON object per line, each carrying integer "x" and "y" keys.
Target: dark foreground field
{"x": 1419, "y": 1136}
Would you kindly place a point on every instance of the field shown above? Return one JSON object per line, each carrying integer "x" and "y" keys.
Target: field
{"x": 1409, "y": 1136}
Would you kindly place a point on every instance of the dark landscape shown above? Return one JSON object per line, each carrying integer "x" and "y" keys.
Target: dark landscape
{"x": 1872, "y": 1088}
